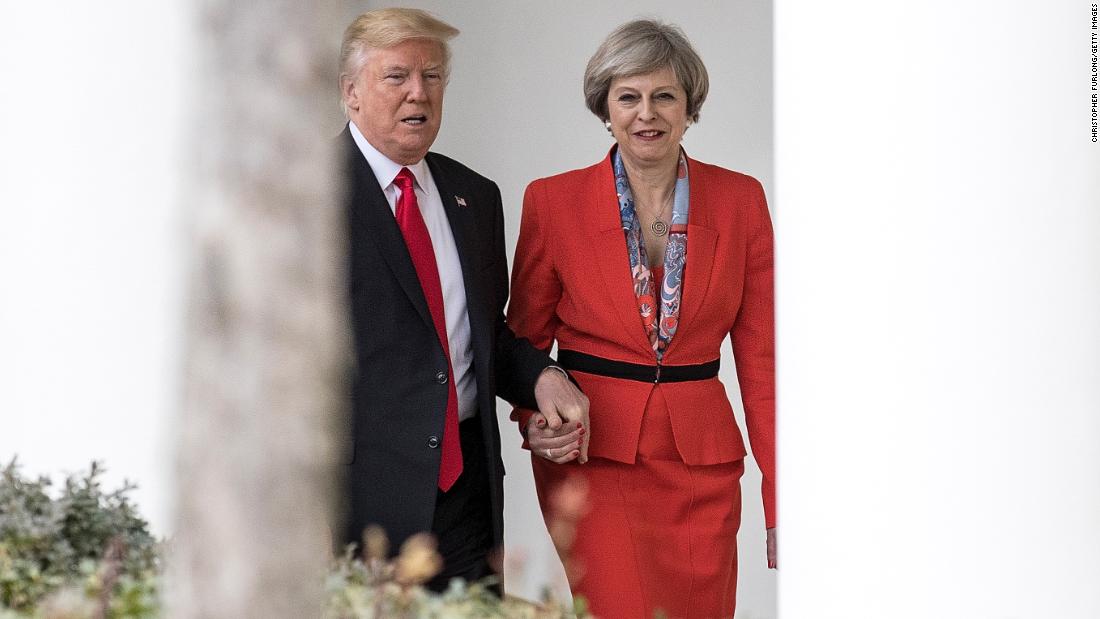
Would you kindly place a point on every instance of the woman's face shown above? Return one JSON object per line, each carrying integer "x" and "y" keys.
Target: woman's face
{"x": 648, "y": 116}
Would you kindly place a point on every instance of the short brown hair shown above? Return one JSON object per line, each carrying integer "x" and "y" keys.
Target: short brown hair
{"x": 643, "y": 46}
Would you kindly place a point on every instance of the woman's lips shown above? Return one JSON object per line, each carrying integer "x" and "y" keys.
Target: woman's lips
{"x": 649, "y": 135}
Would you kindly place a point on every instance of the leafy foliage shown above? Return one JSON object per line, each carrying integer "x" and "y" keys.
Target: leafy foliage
{"x": 86, "y": 540}
{"x": 88, "y": 553}
{"x": 375, "y": 588}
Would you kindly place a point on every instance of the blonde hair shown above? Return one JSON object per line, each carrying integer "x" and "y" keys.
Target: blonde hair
{"x": 643, "y": 46}
{"x": 384, "y": 28}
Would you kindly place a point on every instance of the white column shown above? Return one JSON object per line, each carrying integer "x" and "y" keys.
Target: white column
{"x": 938, "y": 269}
{"x": 266, "y": 361}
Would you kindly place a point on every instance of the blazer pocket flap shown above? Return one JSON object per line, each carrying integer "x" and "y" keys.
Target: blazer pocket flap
{"x": 615, "y": 414}
{"x": 703, "y": 423}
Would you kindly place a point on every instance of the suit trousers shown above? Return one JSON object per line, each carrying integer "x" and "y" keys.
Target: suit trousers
{"x": 463, "y": 520}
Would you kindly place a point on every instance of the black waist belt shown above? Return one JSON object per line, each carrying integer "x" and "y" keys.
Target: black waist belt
{"x": 591, "y": 364}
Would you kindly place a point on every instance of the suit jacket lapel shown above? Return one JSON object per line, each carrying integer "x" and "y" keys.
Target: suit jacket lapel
{"x": 466, "y": 238}
{"x": 372, "y": 219}
{"x": 608, "y": 245}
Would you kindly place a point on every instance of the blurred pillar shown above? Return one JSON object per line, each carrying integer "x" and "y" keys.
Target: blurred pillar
{"x": 265, "y": 324}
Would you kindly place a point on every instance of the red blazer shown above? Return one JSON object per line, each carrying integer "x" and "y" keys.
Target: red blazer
{"x": 571, "y": 283}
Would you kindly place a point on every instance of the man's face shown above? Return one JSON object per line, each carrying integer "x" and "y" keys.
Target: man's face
{"x": 396, "y": 99}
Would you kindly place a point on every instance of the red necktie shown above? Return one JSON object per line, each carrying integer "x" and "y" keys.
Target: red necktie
{"x": 419, "y": 243}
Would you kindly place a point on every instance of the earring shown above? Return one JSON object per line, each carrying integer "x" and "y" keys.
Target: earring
{"x": 607, "y": 125}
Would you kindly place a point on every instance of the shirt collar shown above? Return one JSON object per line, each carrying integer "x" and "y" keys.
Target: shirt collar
{"x": 385, "y": 170}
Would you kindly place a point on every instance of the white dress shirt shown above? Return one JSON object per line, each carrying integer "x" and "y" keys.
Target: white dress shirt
{"x": 446, "y": 260}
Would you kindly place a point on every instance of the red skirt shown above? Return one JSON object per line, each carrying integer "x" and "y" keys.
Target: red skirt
{"x": 654, "y": 535}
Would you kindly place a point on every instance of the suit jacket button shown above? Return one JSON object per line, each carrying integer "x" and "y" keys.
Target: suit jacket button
{"x": 433, "y": 441}
{"x": 441, "y": 378}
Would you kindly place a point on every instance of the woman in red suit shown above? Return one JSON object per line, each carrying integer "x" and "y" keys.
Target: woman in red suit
{"x": 639, "y": 267}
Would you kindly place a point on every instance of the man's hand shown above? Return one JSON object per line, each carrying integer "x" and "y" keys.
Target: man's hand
{"x": 559, "y": 432}
{"x": 773, "y": 553}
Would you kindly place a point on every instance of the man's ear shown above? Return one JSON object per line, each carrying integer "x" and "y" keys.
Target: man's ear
{"x": 350, "y": 93}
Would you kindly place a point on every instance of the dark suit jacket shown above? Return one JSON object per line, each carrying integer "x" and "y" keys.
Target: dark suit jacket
{"x": 398, "y": 401}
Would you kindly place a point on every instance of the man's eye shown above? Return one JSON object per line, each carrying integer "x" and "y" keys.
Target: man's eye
{"x": 395, "y": 76}
{"x": 433, "y": 76}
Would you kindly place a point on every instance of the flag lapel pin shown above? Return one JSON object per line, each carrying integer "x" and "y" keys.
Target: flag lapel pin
{"x": 461, "y": 201}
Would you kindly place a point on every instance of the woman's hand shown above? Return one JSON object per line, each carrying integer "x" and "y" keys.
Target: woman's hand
{"x": 773, "y": 553}
{"x": 559, "y": 428}
{"x": 560, "y": 445}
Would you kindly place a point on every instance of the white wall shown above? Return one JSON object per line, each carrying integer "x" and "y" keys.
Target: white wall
{"x": 91, "y": 114}
{"x": 514, "y": 111}
{"x": 939, "y": 310}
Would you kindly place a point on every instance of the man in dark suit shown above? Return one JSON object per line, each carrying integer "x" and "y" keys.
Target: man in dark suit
{"x": 428, "y": 285}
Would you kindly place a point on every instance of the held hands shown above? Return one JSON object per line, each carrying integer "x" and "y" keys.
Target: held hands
{"x": 559, "y": 431}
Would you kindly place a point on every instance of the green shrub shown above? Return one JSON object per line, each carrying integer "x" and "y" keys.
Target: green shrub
{"x": 87, "y": 553}
{"x": 85, "y": 543}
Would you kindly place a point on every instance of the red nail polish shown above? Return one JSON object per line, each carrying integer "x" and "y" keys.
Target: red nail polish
{"x": 540, "y": 423}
